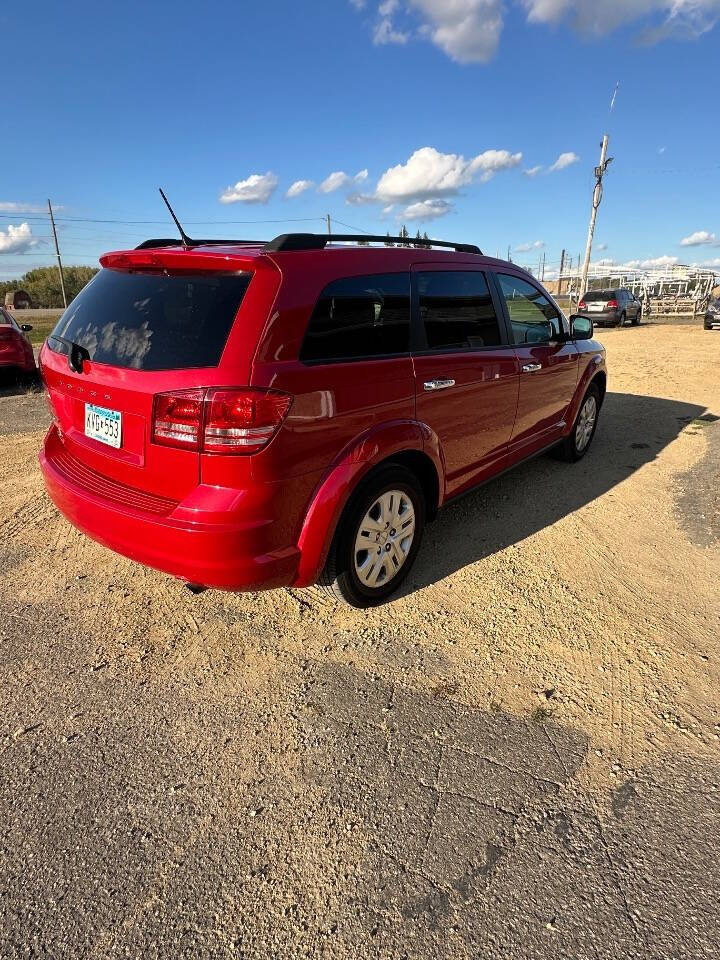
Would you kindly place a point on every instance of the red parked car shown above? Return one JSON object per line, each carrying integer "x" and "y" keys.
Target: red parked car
{"x": 249, "y": 416}
{"x": 16, "y": 352}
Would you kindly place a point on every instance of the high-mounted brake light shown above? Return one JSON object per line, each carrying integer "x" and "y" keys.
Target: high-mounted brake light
{"x": 218, "y": 420}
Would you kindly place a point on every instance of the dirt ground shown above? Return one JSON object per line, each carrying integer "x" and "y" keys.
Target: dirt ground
{"x": 518, "y": 757}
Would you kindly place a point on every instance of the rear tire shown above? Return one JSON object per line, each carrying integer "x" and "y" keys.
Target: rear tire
{"x": 576, "y": 445}
{"x": 365, "y": 577}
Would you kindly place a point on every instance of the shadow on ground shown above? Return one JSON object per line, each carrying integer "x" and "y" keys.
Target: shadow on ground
{"x": 342, "y": 817}
{"x": 480, "y": 844}
{"x": 632, "y": 432}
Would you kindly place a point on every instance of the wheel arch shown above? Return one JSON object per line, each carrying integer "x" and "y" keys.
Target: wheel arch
{"x": 400, "y": 444}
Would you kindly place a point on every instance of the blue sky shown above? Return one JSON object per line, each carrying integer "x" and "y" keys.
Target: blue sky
{"x": 434, "y": 111}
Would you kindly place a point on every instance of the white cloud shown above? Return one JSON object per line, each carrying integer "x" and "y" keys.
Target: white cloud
{"x": 665, "y": 261}
{"x": 17, "y": 239}
{"x": 360, "y": 199}
{"x": 490, "y": 162}
{"x": 340, "y": 179}
{"x": 533, "y": 171}
{"x": 662, "y": 149}
{"x": 711, "y": 263}
{"x": 468, "y": 31}
{"x": 300, "y": 186}
{"x": 680, "y": 18}
{"x": 601, "y": 247}
{"x": 385, "y": 33}
{"x": 699, "y": 238}
{"x": 527, "y": 247}
{"x": 425, "y": 210}
{"x": 8, "y": 206}
{"x": 429, "y": 173}
{"x": 258, "y": 188}
{"x": 564, "y": 160}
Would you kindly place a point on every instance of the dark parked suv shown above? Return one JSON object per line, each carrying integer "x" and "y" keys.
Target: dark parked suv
{"x": 611, "y": 308}
{"x": 247, "y": 415}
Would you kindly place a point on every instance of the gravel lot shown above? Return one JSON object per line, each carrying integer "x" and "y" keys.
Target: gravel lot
{"x": 518, "y": 758}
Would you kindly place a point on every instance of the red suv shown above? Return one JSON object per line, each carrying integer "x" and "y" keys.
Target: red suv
{"x": 16, "y": 351}
{"x": 248, "y": 416}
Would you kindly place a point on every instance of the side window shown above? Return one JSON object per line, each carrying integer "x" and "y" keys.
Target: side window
{"x": 532, "y": 317}
{"x": 457, "y": 311}
{"x": 360, "y": 317}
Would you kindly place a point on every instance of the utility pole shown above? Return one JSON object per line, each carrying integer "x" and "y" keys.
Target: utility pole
{"x": 329, "y": 227}
{"x": 57, "y": 253}
{"x": 562, "y": 267}
{"x": 509, "y": 257}
{"x": 596, "y": 200}
{"x": 542, "y": 279}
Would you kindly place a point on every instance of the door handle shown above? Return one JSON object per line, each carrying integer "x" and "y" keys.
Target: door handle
{"x": 531, "y": 367}
{"x": 431, "y": 385}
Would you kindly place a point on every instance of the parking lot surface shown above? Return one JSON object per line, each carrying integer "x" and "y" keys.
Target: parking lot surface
{"x": 519, "y": 757}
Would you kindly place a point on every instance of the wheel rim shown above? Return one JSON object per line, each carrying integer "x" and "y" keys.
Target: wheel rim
{"x": 586, "y": 424}
{"x": 384, "y": 539}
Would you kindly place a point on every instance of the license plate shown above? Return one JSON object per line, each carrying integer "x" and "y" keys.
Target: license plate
{"x": 103, "y": 425}
{"x": 597, "y": 307}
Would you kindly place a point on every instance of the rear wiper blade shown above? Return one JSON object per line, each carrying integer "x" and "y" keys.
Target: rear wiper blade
{"x": 77, "y": 354}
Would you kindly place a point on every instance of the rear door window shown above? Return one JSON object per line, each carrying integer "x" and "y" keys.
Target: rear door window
{"x": 151, "y": 321}
{"x": 360, "y": 318}
{"x": 456, "y": 310}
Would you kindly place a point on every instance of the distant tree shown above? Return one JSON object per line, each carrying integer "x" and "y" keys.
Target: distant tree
{"x": 388, "y": 242}
{"x": 43, "y": 284}
{"x": 404, "y": 232}
{"x": 426, "y": 237}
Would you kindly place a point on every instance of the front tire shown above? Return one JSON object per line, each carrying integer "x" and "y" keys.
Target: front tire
{"x": 377, "y": 539}
{"x": 576, "y": 445}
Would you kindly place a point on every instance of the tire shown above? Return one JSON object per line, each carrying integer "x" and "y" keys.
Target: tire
{"x": 573, "y": 448}
{"x": 343, "y": 577}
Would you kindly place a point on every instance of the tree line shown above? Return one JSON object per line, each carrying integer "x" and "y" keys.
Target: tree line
{"x": 43, "y": 285}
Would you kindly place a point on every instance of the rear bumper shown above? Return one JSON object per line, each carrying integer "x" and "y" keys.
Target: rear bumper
{"x": 13, "y": 357}
{"x": 229, "y": 553}
{"x": 606, "y": 317}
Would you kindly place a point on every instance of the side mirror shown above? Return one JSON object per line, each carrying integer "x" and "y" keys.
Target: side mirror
{"x": 581, "y": 328}
{"x": 26, "y": 327}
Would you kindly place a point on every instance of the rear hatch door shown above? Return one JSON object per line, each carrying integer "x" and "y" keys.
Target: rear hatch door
{"x": 139, "y": 333}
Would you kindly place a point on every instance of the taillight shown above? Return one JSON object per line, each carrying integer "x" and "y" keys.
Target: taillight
{"x": 612, "y": 304}
{"x": 219, "y": 420}
{"x": 582, "y": 305}
{"x": 242, "y": 421}
{"x": 177, "y": 418}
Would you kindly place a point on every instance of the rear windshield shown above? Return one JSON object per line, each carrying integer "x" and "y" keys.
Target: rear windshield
{"x": 599, "y": 295}
{"x": 148, "y": 321}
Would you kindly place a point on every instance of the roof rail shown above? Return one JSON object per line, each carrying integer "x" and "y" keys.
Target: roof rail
{"x": 318, "y": 241}
{"x": 151, "y": 244}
